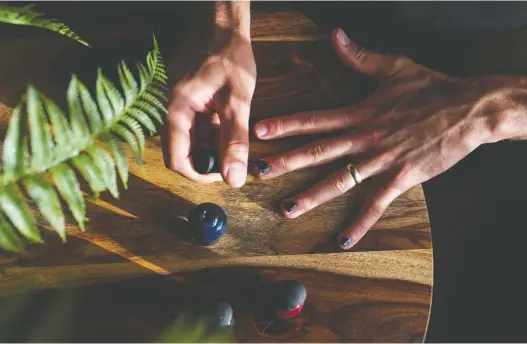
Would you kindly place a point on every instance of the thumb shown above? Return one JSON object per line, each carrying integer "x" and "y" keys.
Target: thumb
{"x": 365, "y": 61}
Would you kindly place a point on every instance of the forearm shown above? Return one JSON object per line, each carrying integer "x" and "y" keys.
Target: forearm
{"x": 504, "y": 108}
{"x": 224, "y": 16}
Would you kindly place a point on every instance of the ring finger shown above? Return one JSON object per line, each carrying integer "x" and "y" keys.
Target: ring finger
{"x": 336, "y": 185}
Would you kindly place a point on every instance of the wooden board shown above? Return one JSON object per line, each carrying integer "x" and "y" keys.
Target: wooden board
{"x": 138, "y": 234}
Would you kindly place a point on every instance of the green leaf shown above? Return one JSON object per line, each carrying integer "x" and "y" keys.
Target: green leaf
{"x": 128, "y": 82}
{"x": 118, "y": 152}
{"x": 9, "y": 240}
{"x": 58, "y": 121}
{"x": 150, "y": 110}
{"x": 85, "y": 165}
{"x": 27, "y": 17}
{"x": 90, "y": 108}
{"x": 78, "y": 123}
{"x": 15, "y": 146}
{"x": 125, "y": 133}
{"x": 105, "y": 164}
{"x": 104, "y": 103}
{"x": 48, "y": 202}
{"x": 16, "y": 209}
{"x": 112, "y": 93}
{"x": 69, "y": 189}
{"x": 136, "y": 128}
{"x": 142, "y": 117}
{"x": 39, "y": 133}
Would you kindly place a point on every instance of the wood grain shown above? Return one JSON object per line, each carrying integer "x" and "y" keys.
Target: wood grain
{"x": 345, "y": 303}
{"x": 388, "y": 276}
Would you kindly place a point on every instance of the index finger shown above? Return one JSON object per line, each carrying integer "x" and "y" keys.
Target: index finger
{"x": 179, "y": 145}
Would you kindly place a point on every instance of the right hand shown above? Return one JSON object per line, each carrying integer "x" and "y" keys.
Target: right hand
{"x": 216, "y": 84}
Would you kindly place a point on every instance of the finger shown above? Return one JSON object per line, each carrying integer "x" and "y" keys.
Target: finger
{"x": 336, "y": 185}
{"x": 312, "y": 122}
{"x": 363, "y": 60}
{"x": 314, "y": 154}
{"x": 370, "y": 214}
{"x": 178, "y": 159}
{"x": 234, "y": 141}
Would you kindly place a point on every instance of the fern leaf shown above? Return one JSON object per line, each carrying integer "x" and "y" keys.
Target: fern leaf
{"x": 106, "y": 166}
{"x": 117, "y": 149}
{"x": 84, "y": 164}
{"x": 48, "y": 202}
{"x": 27, "y": 17}
{"x": 78, "y": 123}
{"x": 39, "y": 133}
{"x": 86, "y": 139}
{"x": 9, "y": 240}
{"x": 16, "y": 209}
{"x": 128, "y": 82}
{"x": 58, "y": 122}
{"x": 15, "y": 147}
{"x": 143, "y": 118}
{"x": 70, "y": 191}
{"x": 125, "y": 133}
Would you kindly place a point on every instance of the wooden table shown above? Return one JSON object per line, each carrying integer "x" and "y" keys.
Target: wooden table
{"x": 379, "y": 292}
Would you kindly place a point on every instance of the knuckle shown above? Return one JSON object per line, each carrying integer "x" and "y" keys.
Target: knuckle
{"x": 283, "y": 163}
{"x": 377, "y": 209}
{"x": 308, "y": 121}
{"x": 317, "y": 152}
{"x": 339, "y": 183}
{"x": 238, "y": 147}
{"x": 277, "y": 127}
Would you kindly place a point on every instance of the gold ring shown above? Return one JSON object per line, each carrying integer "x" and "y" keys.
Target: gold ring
{"x": 354, "y": 173}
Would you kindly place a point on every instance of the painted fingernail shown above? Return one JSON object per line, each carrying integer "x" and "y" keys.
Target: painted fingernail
{"x": 345, "y": 241}
{"x": 342, "y": 37}
{"x": 261, "y": 129}
{"x": 236, "y": 175}
{"x": 289, "y": 206}
{"x": 263, "y": 167}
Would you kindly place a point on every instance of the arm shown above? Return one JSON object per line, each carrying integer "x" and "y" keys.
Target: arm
{"x": 216, "y": 81}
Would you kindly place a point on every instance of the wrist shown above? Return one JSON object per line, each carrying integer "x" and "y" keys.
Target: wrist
{"x": 505, "y": 112}
{"x": 223, "y": 19}
{"x": 234, "y": 17}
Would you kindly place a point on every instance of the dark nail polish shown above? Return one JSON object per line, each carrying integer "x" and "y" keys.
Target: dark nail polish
{"x": 263, "y": 167}
{"x": 289, "y": 206}
{"x": 345, "y": 241}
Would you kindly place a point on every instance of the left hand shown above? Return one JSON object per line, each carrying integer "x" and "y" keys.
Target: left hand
{"x": 417, "y": 124}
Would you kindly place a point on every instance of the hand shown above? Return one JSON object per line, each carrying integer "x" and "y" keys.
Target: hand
{"x": 417, "y": 124}
{"x": 216, "y": 87}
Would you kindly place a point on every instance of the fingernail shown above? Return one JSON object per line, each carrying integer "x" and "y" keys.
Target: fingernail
{"x": 262, "y": 166}
{"x": 289, "y": 206}
{"x": 261, "y": 129}
{"x": 345, "y": 241}
{"x": 236, "y": 175}
{"x": 342, "y": 37}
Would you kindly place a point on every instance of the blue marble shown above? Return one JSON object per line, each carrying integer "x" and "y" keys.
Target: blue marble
{"x": 207, "y": 224}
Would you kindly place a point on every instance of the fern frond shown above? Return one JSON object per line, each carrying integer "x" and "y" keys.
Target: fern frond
{"x": 27, "y": 17}
{"x": 46, "y": 151}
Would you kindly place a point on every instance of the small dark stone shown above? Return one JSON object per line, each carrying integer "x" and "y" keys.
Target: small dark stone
{"x": 207, "y": 223}
{"x": 205, "y": 161}
{"x": 290, "y": 294}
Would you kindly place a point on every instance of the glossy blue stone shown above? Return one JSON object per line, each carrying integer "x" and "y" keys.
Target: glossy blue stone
{"x": 207, "y": 224}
